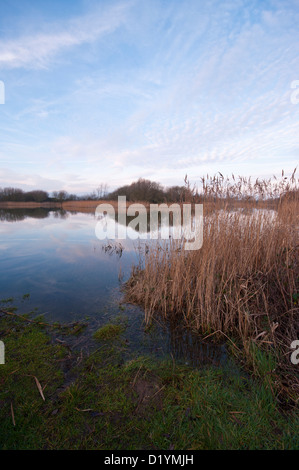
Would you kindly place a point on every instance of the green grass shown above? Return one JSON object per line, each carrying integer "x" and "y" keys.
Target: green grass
{"x": 110, "y": 401}
{"x": 109, "y": 332}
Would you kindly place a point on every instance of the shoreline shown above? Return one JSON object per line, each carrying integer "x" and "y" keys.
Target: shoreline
{"x": 55, "y": 397}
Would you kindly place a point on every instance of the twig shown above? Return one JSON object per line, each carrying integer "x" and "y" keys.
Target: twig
{"x": 12, "y": 414}
{"x": 219, "y": 331}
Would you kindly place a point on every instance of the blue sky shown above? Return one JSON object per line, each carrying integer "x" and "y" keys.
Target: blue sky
{"x": 109, "y": 91}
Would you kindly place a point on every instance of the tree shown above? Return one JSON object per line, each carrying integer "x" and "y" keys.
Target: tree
{"x": 141, "y": 190}
{"x": 12, "y": 194}
{"x": 36, "y": 196}
{"x": 60, "y": 196}
{"x": 102, "y": 190}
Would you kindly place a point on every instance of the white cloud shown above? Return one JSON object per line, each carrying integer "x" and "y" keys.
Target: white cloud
{"x": 184, "y": 86}
{"x": 36, "y": 50}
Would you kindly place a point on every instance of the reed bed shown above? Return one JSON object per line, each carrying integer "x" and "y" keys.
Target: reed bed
{"x": 243, "y": 282}
{"x": 80, "y": 206}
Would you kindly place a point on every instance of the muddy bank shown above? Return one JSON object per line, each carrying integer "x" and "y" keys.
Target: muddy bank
{"x": 54, "y": 395}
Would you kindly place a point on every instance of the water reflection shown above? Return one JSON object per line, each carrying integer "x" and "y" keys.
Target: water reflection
{"x": 16, "y": 215}
{"x": 55, "y": 256}
{"x": 197, "y": 352}
{"x": 19, "y": 214}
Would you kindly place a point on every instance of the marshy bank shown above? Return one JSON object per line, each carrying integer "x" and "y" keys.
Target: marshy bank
{"x": 54, "y": 396}
{"x": 117, "y": 383}
{"x": 243, "y": 284}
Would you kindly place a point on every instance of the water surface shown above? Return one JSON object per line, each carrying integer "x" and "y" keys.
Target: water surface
{"x": 56, "y": 258}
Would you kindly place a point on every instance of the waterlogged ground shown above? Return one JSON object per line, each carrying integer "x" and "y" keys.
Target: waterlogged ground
{"x": 108, "y": 382}
{"x": 52, "y": 263}
{"x": 54, "y": 397}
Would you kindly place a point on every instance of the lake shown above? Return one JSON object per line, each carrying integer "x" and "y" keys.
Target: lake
{"x": 52, "y": 263}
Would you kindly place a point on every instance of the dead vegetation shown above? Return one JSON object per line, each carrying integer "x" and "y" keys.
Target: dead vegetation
{"x": 243, "y": 282}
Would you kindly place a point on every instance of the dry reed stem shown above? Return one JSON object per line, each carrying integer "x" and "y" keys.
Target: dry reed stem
{"x": 243, "y": 281}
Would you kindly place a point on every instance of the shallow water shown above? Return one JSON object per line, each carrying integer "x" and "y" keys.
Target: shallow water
{"x": 70, "y": 274}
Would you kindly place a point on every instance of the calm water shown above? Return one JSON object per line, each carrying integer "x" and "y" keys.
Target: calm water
{"x": 56, "y": 257}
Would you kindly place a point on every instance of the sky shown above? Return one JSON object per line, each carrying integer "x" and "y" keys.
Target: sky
{"x": 110, "y": 91}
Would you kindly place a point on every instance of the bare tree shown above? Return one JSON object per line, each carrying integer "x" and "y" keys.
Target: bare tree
{"x": 102, "y": 191}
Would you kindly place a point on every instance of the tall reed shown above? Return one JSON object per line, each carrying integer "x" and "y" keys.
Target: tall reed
{"x": 243, "y": 282}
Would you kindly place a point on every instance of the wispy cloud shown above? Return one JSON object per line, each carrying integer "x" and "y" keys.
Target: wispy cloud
{"x": 153, "y": 89}
{"x": 36, "y": 50}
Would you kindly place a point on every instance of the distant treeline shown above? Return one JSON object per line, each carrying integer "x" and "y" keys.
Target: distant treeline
{"x": 146, "y": 190}
{"x": 38, "y": 195}
{"x": 212, "y": 188}
{"x": 141, "y": 190}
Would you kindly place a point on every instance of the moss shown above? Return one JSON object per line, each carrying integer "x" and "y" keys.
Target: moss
{"x": 106, "y": 400}
{"x": 109, "y": 332}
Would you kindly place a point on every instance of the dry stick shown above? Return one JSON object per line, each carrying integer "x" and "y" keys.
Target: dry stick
{"x": 12, "y": 414}
{"x": 39, "y": 387}
{"x": 84, "y": 411}
{"x": 219, "y": 331}
{"x": 23, "y": 318}
{"x": 160, "y": 390}
{"x": 173, "y": 363}
{"x": 136, "y": 376}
